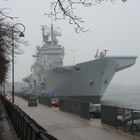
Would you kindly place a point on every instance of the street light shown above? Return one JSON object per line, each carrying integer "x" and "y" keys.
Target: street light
{"x": 20, "y": 35}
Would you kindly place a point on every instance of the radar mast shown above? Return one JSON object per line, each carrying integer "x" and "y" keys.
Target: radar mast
{"x": 50, "y": 34}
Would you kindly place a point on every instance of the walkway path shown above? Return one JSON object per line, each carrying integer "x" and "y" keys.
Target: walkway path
{"x": 66, "y": 126}
{"x": 6, "y": 133}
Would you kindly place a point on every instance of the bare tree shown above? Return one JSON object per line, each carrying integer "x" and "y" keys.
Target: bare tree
{"x": 4, "y": 53}
{"x": 6, "y": 24}
{"x": 64, "y": 9}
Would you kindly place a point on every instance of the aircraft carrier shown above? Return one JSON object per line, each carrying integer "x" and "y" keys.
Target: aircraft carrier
{"x": 87, "y": 80}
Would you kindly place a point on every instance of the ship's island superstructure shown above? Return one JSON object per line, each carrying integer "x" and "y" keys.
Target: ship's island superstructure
{"x": 83, "y": 80}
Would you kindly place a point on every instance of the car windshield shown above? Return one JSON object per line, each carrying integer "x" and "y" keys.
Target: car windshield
{"x": 95, "y": 107}
{"x": 128, "y": 114}
{"x": 33, "y": 99}
{"x": 135, "y": 114}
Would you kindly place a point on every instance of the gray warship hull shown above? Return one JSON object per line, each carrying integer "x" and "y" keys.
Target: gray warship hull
{"x": 86, "y": 79}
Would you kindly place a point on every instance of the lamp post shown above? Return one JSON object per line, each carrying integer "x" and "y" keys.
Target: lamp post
{"x": 20, "y": 35}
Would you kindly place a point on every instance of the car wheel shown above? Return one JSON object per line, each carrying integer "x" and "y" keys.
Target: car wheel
{"x": 134, "y": 128}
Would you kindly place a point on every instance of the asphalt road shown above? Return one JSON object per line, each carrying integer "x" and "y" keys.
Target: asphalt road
{"x": 66, "y": 126}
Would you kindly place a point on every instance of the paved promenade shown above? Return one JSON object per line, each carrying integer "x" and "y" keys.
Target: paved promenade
{"x": 66, "y": 126}
{"x": 6, "y": 132}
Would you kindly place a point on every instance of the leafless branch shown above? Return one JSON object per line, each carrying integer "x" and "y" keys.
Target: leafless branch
{"x": 6, "y": 14}
{"x": 64, "y": 9}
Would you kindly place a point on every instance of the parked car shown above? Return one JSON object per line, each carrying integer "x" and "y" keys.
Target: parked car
{"x": 128, "y": 117}
{"x": 95, "y": 110}
{"x": 32, "y": 101}
{"x": 133, "y": 127}
{"x": 55, "y": 102}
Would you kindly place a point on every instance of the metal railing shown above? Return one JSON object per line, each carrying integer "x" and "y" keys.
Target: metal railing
{"x": 127, "y": 120}
{"x": 45, "y": 100}
{"x": 25, "y": 127}
{"x": 77, "y": 107}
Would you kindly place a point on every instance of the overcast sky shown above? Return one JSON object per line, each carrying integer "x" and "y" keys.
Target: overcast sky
{"x": 113, "y": 26}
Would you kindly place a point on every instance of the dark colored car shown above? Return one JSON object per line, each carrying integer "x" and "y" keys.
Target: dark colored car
{"x": 128, "y": 117}
{"x": 95, "y": 110}
{"x": 32, "y": 101}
